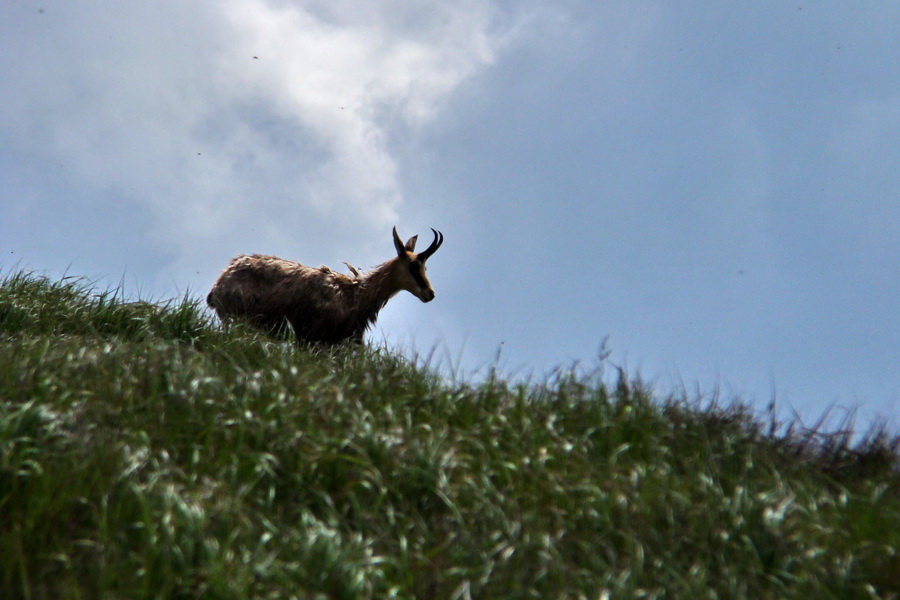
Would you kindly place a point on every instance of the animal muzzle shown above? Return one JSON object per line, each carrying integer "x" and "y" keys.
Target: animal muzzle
{"x": 426, "y": 295}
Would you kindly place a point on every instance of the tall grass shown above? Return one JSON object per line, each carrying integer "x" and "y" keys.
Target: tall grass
{"x": 146, "y": 453}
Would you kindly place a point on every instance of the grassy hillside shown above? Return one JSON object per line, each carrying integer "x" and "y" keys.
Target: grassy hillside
{"x": 146, "y": 453}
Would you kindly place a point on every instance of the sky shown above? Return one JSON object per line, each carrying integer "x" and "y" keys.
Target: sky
{"x": 709, "y": 192}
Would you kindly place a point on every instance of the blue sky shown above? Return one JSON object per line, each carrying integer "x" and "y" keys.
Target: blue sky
{"x": 710, "y": 187}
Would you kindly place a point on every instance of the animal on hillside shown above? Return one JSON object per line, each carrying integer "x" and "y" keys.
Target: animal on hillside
{"x": 318, "y": 304}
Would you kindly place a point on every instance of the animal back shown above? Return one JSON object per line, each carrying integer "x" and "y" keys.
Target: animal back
{"x": 272, "y": 293}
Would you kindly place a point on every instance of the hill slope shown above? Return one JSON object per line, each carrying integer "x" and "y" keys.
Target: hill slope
{"x": 146, "y": 453}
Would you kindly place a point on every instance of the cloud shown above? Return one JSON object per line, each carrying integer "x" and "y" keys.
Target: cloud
{"x": 347, "y": 75}
{"x": 245, "y": 119}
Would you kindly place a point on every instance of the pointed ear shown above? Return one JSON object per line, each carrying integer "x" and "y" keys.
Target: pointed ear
{"x": 411, "y": 243}
{"x": 401, "y": 251}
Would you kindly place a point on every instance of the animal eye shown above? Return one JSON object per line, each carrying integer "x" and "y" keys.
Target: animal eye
{"x": 415, "y": 269}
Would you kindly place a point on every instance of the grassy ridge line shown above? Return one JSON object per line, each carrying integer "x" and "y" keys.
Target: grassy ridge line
{"x": 145, "y": 453}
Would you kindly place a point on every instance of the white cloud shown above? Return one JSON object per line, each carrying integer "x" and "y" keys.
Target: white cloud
{"x": 241, "y": 118}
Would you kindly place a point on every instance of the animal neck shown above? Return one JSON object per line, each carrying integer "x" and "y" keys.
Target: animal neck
{"x": 377, "y": 287}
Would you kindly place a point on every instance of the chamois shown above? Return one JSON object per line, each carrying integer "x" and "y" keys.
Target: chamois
{"x": 319, "y": 304}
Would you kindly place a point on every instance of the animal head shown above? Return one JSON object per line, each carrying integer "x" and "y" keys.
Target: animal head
{"x": 410, "y": 272}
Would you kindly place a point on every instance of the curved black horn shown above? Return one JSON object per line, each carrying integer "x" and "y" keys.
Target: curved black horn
{"x": 438, "y": 240}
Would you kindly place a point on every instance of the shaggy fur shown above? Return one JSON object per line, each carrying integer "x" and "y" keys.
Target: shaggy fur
{"x": 319, "y": 304}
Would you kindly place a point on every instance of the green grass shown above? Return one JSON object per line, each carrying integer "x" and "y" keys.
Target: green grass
{"x": 147, "y": 453}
